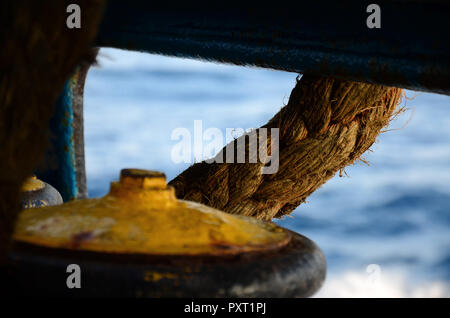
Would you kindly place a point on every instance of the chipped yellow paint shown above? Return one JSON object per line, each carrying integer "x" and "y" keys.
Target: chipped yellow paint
{"x": 32, "y": 184}
{"x": 142, "y": 215}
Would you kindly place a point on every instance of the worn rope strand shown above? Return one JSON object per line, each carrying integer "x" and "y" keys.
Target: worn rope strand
{"x": 327, "y": 125}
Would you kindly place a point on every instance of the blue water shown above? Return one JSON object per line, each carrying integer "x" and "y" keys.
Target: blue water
{"x": 394, "y": 213}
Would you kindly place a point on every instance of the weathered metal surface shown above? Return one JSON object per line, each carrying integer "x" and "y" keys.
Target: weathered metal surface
{"x": 63, "y": 166}
{"x": 325, "y": 37}
{"x": 141, "y": 215}
{"x": 36, "y": 194}
{"x": 296, "y": 270}
{"x": 78, "y": 130}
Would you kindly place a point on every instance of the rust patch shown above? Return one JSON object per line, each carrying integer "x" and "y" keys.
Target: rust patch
{"x": 81, "y": 237}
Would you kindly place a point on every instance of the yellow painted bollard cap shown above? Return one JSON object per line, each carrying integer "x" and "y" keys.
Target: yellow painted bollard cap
{"x": 141, "y": 215}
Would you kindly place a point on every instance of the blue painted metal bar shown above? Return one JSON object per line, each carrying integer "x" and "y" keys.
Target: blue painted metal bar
{"x": 323, "y": 37}
{"x": 59, "y": 168}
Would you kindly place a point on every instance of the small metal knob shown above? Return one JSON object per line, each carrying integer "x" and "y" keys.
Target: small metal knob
{"x": 142, "y": 179}
{"x": 36, "y": 193}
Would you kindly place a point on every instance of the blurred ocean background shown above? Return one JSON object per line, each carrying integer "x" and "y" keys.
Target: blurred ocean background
{"x": 384, "y": 228}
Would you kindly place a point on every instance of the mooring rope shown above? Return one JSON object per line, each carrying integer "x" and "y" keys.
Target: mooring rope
{"x": 327, "y": 125}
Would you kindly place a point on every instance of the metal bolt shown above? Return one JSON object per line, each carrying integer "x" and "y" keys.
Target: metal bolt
{"x": 143, "y": 179}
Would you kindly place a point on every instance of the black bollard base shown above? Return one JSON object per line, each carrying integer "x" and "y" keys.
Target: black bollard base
{"x": 295, "y": 270}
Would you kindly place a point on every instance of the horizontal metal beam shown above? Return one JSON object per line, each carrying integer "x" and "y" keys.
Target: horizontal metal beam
{"x": 328, "y": 37}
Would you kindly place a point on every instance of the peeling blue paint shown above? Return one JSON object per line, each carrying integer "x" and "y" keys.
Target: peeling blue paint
{"x": 59, "y": 169}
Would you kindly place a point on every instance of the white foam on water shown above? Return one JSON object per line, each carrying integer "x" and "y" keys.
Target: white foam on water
{"x": 357, "y": 284}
